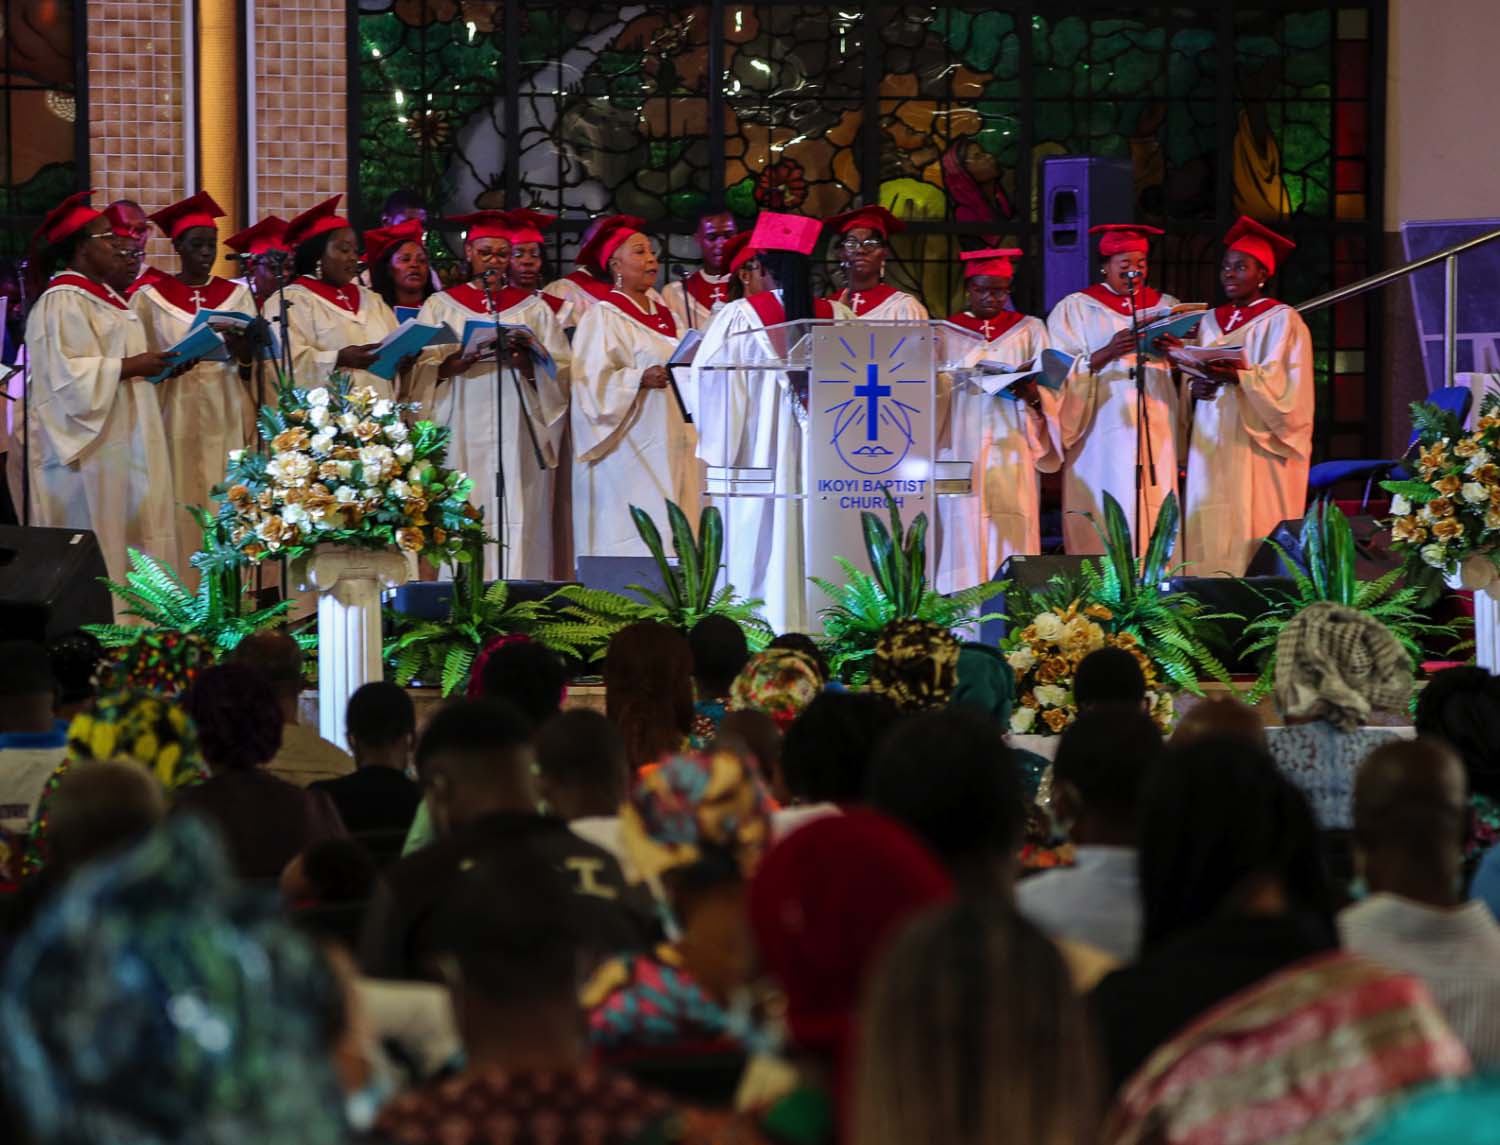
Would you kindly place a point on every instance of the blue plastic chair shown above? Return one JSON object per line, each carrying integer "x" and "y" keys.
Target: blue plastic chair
{"x": 1456, "y": 400}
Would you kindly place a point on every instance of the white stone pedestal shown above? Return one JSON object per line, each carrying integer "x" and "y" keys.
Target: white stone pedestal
{"x": 1480, "y": 573}
{"x": 348, "y": 582}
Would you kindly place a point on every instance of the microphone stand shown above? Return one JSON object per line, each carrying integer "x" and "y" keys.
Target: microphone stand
{"x": 1143, "y": 444}
{"x": 25, "y": 403}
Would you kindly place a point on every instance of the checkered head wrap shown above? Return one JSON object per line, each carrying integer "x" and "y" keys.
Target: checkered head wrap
{"x": 1337, "y": 664}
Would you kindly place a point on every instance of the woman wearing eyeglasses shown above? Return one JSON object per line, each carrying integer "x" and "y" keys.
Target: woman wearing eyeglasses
{"x": 863, "y": 245}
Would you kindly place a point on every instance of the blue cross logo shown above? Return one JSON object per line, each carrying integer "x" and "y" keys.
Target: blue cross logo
{"x": 873, "y": 430}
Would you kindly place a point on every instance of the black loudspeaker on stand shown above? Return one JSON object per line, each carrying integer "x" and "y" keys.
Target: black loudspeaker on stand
{"x": 50, "y": 583}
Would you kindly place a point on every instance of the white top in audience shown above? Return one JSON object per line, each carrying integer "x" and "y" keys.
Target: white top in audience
{"x": 1097, "y": 901}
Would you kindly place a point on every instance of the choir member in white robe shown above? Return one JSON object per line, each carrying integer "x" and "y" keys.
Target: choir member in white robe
{"x": 1251, "y": 427}
{"x": 755, "y": 418}
{"x": 588, "y": 284}
{"x": 1009, "y": 439}
{"x": 695, "y": 298}
{"x": 98, "y": 451}
{"x": 524, "y": 271}
{"x": 631, "y": 443}
{"x": 332, "y": 323}
{"x": 267, "y": 264}
{"x": 864, "y": 246}
{"x": 206, "y": 411}
{"x": 1098, "y": 407}
{"x": 397, "y": 267}
{"x": 517, "y": 438}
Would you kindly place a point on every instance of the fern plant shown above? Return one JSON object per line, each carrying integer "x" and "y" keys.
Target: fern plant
{"x": 898, "y": 589}
{"x": 216, "y": 612}
{"x": 1177, "y": 631}
{"x": 587, "y": 619}
{"x": 442, "y": 652}
{"x": 1325, "y": 570}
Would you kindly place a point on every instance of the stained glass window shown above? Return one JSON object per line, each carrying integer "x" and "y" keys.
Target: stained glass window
{"x": 942, "y": 112}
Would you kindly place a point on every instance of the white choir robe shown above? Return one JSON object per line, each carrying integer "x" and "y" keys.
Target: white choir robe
{"x": 1097, "y": 416}
{"x": 695, "y": 300}
{"x": 883, "y": 304}
{"x": 579, "y": 290}
{"x": 630, "y": 444}
{"x": 745, "y": 418}
{"x": 319, "y": 329}
{"x": 99, "y": 457}
{"x": 465, "y": 404}
{"x": 206, "y": 412}
{"x": 1008, "y": 444}
{"x": 1251, "y": 445}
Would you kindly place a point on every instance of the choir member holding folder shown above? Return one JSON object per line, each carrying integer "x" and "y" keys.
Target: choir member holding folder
{"x": 207, "y": 410}
{"x": 1009, "y": 436}
{"x": 332, "y": 323}
{"x": 1252, "y": 410}
{"x": 632, "y": 444}
{"x": 98, "y": 452}
{"x": 530, "y": 385}
{"x": 1101, "y": 435}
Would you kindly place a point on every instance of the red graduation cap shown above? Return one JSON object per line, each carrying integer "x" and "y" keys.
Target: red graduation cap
{"x": 480, "y": 225}
{"x": 607, "y": 239}
{"x": 198, "y": 210}
{"x": 739, "y": 251}
{"x": 777, "y": 231}
{"x": 1124, "y": 238}
{"x": 313, "y": 222}
{"x": 527, "y": 225}
{"x": 875, "y": 218}
{"x": 380, "y": 241}
{"x": 68, "y": 217}
{"x": 263, "y": 236}
{"x": 1260, "y": 243}
{"x": 995, "y": 261}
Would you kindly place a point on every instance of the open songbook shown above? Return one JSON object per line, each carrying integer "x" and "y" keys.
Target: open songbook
{"x": 1049, "y": 368}
{"x": 404, "y": 341}
{"x": 1169, "y": 321}
{"x": 198, "y": 343}
{"x": 481, "y": 335}
{"x": 1191, "y": 360}
{"x": 234, "y": 322}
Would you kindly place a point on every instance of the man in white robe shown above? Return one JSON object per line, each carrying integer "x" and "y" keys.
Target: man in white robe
{"x": 1251, "y": 425}
{"x": 697, "y": 297}
{"x": 1008, "y": 438}
{"x": 1099, "y": 399}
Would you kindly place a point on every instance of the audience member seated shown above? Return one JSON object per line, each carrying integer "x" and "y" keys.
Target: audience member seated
{"x": 970, "y": 1032}
{"x": 1409, "y": 823}
{"x": 826, "y": 753}
{"x": 1206, "y": 719}
{"x": 719, "y": 655}
{"x": 477, "y": 770}
{"x": 32, "y": 743}
{"x": 915, "y": 665}
{"x": 155, "y": 1001}
{"x": 75, "y": 668}
{"x": 648, "y": 690}
{"x": 583, "y": 778}
{"x": 948, "y": 776}
{"x": 378, "y": 796}
{"x": 327, "y": 888}
{"x": 1240, "y": 1002}
{"x": 1102, "y": 762}
{"x": 1462, "y": 706}
{"x": 779, "y": 682}
{"x": 824, "y": 904}
{"x": 139, "y": 728}
{"x": 265, "y": 821}
{"x": 511, "y": 960}
{"x": 756, "y": 738}
{"x": 1335, "y": 666}
{"x": 801, "y": 642}
{"x": 987, "y": 684}
{"x": 304, "y": 756}
{"x": 695, "y": 829}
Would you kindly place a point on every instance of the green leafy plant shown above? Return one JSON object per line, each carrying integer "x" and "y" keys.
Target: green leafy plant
{"x": 586, "y": 619}
{"x": 864, "y": 604}
{"x": 1325, "y": 570}
{"x": 217, "y": 611}
{"x": 442, "y": 652}
{"x": 1177, "y": 631}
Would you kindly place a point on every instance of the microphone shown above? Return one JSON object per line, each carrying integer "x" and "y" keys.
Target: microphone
{"x": 1132, "y": 275}
{"x": 487, "y": 276}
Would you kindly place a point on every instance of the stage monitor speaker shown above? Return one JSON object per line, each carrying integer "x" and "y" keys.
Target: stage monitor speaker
{"x": 616, "y": 574}
{"x": 1244, "y": 596}
{"x": 1028, "y": 572}
{"x": 50, "y": 582}
{"x": 432, "y": 599}
{"x": 1079, "y": 192}
{"x": 1372, "y": 549}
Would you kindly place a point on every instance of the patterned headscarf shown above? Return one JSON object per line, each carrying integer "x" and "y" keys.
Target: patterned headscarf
{"x": 157, "y": 660}
{"x": 136, "y": 727}
{"x": 915, "y": 665}
{"x": 1336, "y": 664}
{"x": 155, "y": 1002}
{"x": 689, "y": 807}
{"x": 780, "y": 682}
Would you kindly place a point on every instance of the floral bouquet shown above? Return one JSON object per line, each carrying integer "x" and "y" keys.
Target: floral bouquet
{"x": 1045, "y": 656}
{"x": 345, "y": 468}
